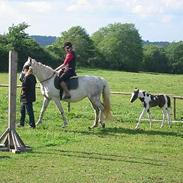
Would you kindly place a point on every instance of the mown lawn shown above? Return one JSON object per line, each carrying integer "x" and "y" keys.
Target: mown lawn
{"x": 117, "y": 153}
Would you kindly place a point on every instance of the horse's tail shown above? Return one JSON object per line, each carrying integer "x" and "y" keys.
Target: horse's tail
{"x": 106, "y": 100}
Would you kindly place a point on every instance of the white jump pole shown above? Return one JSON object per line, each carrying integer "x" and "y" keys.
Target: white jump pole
{"x": 10, "y": 140}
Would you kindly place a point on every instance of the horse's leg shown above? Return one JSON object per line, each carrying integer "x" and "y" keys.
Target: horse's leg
{"x": 96, "y": 109}
{"x": 169, "y": 118}
{"x": 164, "y": 114}
{"x": 101, "y": 115}
{"x": 100, "y": 109}
{"x": 43, "y": 109}
{"x": 140, "y": 117}
{"x": 150, "y": 117}
{"x": 59, "y": 105}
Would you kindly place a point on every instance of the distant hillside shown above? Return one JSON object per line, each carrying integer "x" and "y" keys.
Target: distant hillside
{"x": 156, "y": 43}
{"x": 44, "y": 40}
{"x": 48, "y": 40}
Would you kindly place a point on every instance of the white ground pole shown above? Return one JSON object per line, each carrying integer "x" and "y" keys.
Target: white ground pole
{"x": 10, "y": 140}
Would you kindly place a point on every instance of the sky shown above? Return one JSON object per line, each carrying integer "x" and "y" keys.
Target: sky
{"x": 155, "y": 20}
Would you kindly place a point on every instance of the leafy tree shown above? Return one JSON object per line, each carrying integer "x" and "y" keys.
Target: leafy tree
{"x": 174, "y": 52}
{"x": 3, "y": 53}
{"x": 120, "y": 45}
{"x": 154, "y": 59}
{"x": 20, "y": 41}
{"x": 16, "y": 36}
{"x": 82, "y": 43}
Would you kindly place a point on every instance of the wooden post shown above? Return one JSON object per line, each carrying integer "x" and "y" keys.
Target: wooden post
{"x": 12, "y": 89}
{"x": 10, "y": 140}
{"x": 174, "y": 108}
{"x": 69, "y": 107}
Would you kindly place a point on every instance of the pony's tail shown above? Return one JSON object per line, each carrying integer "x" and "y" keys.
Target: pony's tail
{"x": 106, "y": 101}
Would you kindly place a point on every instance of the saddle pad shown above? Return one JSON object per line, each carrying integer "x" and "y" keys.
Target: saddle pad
{"x": 56, "y": 82}
{"x": 72, "y": 83}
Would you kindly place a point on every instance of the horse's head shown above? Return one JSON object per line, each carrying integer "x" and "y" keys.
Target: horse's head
{"x": 41, "y": 71}
{"x": 28, "y": 63}
{"x": 31, "y": 64}
{"x": 134, "y": 95}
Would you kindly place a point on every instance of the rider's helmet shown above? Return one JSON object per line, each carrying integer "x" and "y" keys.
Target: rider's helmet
{"x": 67, "y": 45}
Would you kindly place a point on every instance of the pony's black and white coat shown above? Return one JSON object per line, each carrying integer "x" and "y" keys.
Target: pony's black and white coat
{"x": 148, "y": 100}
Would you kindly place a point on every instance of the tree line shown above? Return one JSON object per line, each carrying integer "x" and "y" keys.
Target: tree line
{"x": 117, "y": 46}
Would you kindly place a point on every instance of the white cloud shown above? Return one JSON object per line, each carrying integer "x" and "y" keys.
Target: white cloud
{"x": 37, "y": 6}
{"x": 79, "y": 5}
{"x": 89, "y": 5}
{"x": 167, "y": 19}
{"x": 51, "y": 17}
{"x": 9, "y": 15}
{"x": 146, "y": 9}
{"x": 173, "y": 4}
{"x": 151, "y": 7}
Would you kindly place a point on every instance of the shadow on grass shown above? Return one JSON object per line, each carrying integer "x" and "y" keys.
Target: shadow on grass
{"x": 140, "y": 131}
{"x": 105, "y": 157}
{"x": 4, "y": 157}
{"x": 119, "y": 130}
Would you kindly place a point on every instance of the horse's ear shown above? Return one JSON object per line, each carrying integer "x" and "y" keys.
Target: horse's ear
{"x": 30, "y": 60}
{"x": 136, "y": 89}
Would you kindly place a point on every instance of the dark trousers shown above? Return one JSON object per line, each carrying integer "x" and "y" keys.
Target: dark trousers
{"x": 66, "y": 75}
{"x": 29, "y": 108}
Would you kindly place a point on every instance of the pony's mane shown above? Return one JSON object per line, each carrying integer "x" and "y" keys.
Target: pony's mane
{"x": 145, "y": 92}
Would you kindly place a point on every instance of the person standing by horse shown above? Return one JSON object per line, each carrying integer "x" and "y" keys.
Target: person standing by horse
{"x": 28, "y": 96}
{"x": 67, "y": 69}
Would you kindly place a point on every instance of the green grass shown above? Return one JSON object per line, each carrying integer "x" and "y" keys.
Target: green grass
{"x": 117, "y": 153}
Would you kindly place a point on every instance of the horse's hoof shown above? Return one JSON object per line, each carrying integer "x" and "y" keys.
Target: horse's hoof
{"x": 94, "y": 126}
{"x": 138, "y": 129}
{"x": 64, "y": 126}
{"x": 91, "y": 128}
{"x": 103, "y": 125}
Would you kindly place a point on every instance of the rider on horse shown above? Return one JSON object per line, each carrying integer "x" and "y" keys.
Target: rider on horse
{"x": 67, "y": 69}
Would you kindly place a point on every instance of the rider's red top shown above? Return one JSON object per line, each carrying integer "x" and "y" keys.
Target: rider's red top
{"x": 69, "y": 57}
{"x": 70, "y": 61}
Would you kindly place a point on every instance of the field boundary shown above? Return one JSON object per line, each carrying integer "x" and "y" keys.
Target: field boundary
{"x": 174, "y": 97}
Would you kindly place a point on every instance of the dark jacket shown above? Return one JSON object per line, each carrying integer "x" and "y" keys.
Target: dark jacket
{"x": 28, "y": 93}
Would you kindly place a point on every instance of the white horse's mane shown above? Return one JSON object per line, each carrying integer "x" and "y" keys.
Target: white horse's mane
{"x": 42, "y": 65}
{"x": 47, "y": 69}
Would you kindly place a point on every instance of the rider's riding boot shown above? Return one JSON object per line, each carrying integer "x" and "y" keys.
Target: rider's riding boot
{"x": 64, "y": 87}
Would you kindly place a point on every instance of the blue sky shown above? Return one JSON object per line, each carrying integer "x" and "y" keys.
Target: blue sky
{"x": 156, "y": 20}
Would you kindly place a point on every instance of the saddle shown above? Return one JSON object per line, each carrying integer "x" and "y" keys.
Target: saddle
{"x": 72, "y": 83}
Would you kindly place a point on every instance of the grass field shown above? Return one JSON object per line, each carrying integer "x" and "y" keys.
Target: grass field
{"x": 117, "y": 153}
